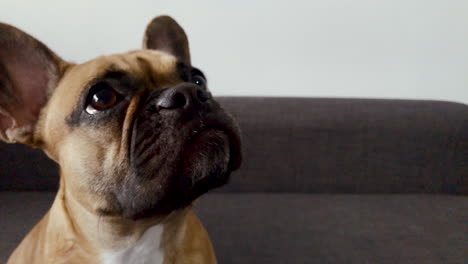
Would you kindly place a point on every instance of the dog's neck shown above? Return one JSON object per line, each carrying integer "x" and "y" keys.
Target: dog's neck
{"x": 119, "y": 240}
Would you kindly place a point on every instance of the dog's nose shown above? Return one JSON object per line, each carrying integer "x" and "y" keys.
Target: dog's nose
{"x": 182, "y": 96}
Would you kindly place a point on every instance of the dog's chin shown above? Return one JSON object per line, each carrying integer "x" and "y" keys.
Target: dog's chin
{"x": 207, "y": 159}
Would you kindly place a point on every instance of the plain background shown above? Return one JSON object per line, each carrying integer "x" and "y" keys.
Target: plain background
{"x": 412, "y": 49}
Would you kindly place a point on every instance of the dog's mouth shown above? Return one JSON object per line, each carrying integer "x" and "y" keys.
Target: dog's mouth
{"x": 209, "y": 155}
{"x": 216, "y": 138}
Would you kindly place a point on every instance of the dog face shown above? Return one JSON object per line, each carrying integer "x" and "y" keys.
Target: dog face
{"x": 136, "y": 134}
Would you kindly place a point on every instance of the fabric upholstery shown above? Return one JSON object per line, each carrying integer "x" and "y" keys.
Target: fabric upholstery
{"x": 351, "y": 146}
{"x": 301, "y": 228}
{"x": 24, "y": 168}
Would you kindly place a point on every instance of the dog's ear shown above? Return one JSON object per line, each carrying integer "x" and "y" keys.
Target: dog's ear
{"x": 29, "y": 72}
{"x": 164, "y": 34}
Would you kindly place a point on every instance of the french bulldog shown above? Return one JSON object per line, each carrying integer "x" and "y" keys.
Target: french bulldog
{"x": 138, "y": 138}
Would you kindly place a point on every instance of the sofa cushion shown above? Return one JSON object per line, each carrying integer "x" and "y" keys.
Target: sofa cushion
{"x": 319, "y": 145}
{"x": 308, "y": 229}
{"x": 301, "y": 228}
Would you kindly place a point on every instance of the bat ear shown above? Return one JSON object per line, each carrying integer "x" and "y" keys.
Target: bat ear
{"x": 29, "y": 72}
{"x": 164, "y": 34}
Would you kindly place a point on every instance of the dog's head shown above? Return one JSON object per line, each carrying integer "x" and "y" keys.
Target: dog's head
{"x": 135, "y": 134}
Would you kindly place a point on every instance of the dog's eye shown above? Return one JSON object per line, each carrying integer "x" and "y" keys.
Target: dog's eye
{"x": 102, "y": 97}
{"x": 199, "y": 80}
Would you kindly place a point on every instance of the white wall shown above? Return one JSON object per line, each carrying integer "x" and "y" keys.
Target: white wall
{"x": 327, "y": 48}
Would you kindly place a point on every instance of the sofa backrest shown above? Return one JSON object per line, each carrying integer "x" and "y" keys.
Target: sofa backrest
{"x": 317, "y": 145}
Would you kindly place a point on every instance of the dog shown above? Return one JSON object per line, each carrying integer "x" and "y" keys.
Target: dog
{"x": 138, "y": 138}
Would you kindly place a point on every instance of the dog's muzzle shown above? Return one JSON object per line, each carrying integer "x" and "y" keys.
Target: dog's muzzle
{"x": 182, "y": 144}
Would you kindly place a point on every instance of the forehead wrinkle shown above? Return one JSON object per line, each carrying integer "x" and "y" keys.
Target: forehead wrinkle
{"x": 147, "y": 70}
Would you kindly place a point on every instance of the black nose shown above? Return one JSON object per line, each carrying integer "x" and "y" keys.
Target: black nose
{"x": 182, "y": 96}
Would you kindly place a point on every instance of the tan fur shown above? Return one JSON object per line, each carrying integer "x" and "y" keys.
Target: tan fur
{"x": 72, "y": 231}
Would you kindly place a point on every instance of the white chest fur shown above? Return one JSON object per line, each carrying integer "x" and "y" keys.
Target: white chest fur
{"x": 145, "y": 251}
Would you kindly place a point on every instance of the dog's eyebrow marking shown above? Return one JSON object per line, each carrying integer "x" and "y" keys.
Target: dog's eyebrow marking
{"x": 117, "y": 76}
{"x": 114, "y": 74}
{"x": 110, "y": 73}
